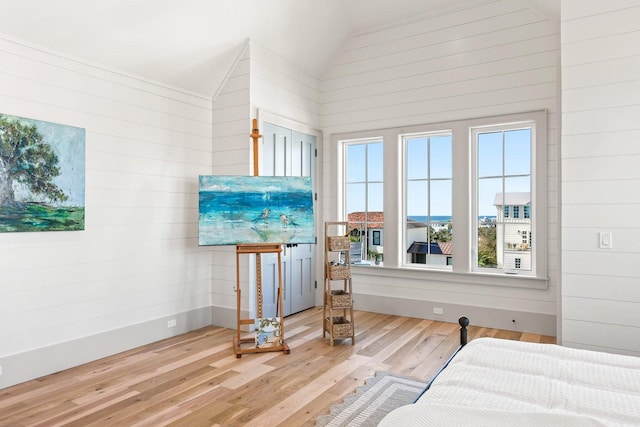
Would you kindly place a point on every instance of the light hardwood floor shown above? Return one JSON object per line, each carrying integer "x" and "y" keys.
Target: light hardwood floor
{"x": 195, "y": 379}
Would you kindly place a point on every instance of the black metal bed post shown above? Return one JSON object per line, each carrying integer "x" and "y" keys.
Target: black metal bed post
{"x": 464, "y": 322}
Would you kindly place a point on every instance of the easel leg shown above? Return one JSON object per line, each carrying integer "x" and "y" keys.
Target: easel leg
{"x": 258, "y": 249}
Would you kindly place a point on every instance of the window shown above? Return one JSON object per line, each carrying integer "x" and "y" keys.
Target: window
{"x": 376, "y": 237}
{"x": 363, "y": 195}
{"x": 503, "y": 179}
{"x": 428, "y": 198}
{"x": 464, "y": 198}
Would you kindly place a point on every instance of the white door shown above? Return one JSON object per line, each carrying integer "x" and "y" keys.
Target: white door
{"x": 286, "y": 152}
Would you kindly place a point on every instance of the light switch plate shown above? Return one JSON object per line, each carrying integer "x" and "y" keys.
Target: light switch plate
{"x": 605, "y": 240}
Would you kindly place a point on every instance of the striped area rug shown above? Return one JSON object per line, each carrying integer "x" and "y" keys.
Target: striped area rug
{"x": 372, "y": 401}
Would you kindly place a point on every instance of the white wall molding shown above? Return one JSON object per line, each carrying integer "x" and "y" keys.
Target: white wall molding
{"x": 76, "y": 64}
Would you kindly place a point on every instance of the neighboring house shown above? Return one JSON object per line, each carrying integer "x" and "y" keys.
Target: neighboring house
{"x": 513, "y": 230}
{"x": 416, "y": 232}
{"x": 368, "y": 231}
{"x": 367, "y": 228}
{"x": 418, "y": 248}
{"x": 440, "y": 253}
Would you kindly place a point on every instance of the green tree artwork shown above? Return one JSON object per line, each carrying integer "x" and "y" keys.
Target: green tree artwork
{"x": 41, "y": 175}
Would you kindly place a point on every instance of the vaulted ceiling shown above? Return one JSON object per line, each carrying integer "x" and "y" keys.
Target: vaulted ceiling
{"x": 191, "y": 44}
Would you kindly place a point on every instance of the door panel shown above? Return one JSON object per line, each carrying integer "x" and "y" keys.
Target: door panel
{"x": 303, "y": 154}
{"x": 276, "y": 151}
{"x": 302, "y": 292}
{"x": 289, "y": 153}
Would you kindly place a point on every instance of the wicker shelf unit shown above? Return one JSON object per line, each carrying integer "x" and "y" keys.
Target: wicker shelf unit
{"x": 337, "y": 316}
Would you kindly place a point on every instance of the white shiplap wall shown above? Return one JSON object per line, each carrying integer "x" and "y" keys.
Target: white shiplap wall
{"x": 600, "y": 174}
{"x": 282, "y": 89}
{"x": 232, "y": 155}
{"x": 137, "y": 263}
{"x": 495, "y": 57}
{"x": 260, "y": 84}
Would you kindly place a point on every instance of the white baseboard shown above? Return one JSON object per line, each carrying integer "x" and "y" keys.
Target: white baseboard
{"x": 225, "y": 317}
{"x": 21, "y": 367}
{"x": 535, "y": 323}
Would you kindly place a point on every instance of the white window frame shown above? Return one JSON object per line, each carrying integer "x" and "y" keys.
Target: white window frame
{"x": 405, "y": 242}
{"x": 538, "y": 188}
{"x": 343, "y": 147}
{"x": 462, "y": 271}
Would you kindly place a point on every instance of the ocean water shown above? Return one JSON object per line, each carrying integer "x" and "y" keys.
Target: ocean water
{"x": 445, "y": 218}
{"x": 434, "y": 218}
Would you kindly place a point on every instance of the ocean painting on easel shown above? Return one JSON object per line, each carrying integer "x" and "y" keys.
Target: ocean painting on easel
{"x": 255, "y": 209}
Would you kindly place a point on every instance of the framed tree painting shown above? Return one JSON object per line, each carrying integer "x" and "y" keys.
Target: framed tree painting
{"x": 255, "y": 209}
{"x": 42, "y": 167}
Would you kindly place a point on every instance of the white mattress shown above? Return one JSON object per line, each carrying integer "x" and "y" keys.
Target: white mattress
{"x": 501, "y": 382}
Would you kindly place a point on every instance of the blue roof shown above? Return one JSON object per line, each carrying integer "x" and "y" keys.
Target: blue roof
{"x": 423, "y": 248}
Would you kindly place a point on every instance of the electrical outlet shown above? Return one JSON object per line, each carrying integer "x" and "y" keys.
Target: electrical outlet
{"x": 172, "y": 323}
{"x": 0, "y": 369}
{"x": 438, "y": 310}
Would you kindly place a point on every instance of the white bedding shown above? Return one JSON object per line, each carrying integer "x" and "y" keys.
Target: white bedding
{"x": 494, "y": 382}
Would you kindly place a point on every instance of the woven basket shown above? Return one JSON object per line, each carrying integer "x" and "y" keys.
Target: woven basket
{"x": 339, "y": 272}
{"x": 340, "y": 299}
{"x": 339, "y": 243}
{"x": 342, "y": 327}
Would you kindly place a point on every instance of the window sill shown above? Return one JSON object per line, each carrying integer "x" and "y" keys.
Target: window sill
{"x": 484, "y": 279}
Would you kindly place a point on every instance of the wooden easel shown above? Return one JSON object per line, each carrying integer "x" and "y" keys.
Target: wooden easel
{"x": 258, "y": 249}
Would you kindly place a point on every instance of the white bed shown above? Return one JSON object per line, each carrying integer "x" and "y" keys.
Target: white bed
{"x": 495, "y": 382}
